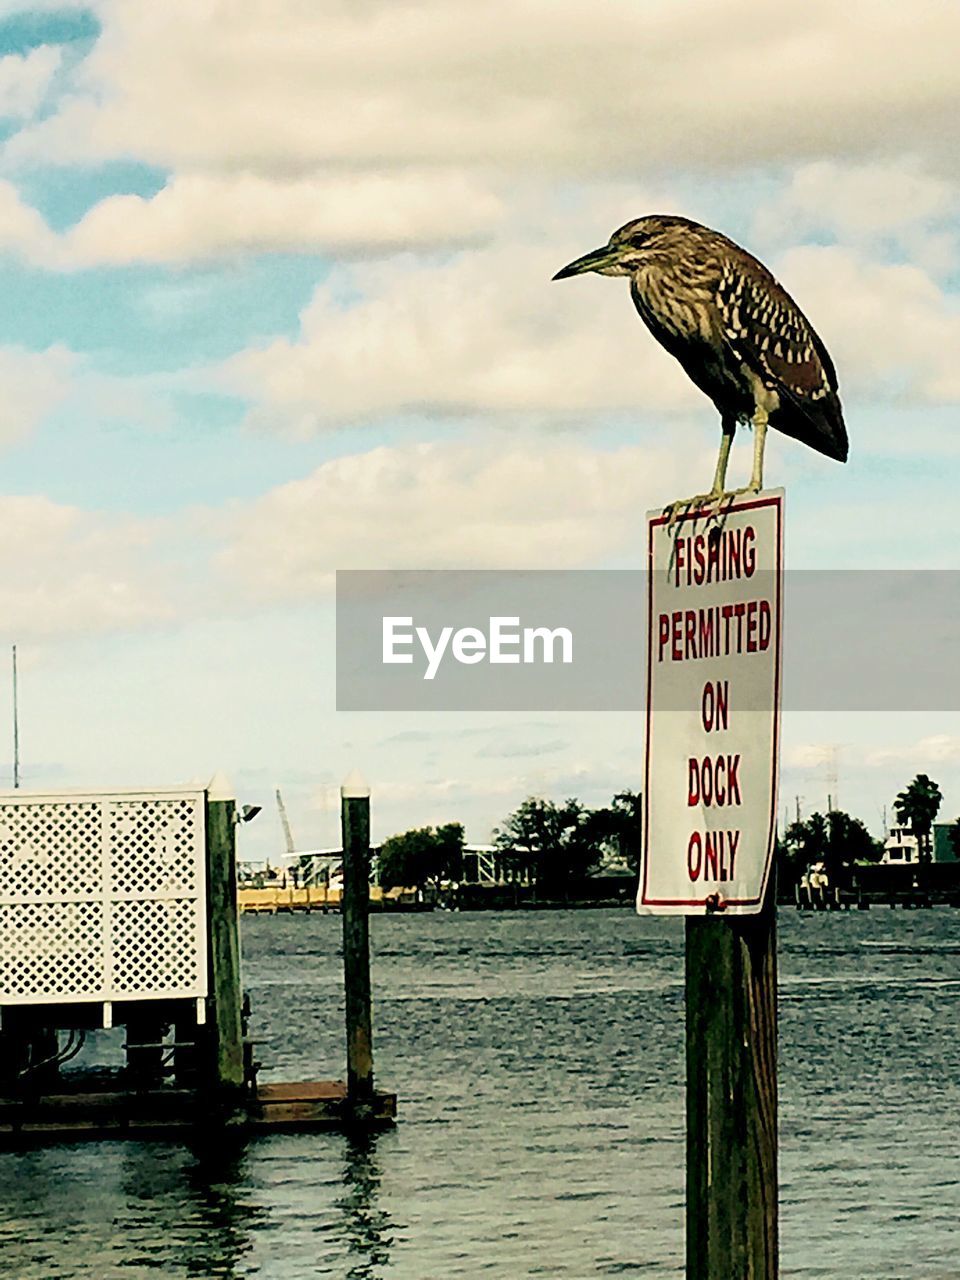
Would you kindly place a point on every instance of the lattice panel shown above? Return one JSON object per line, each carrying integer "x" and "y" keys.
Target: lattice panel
{"x": 153, "y": 847}
{"x": 50, "y": 951}
{"x": 155, "y": 946}
{"x": 50, "y": 851}
{"x": 102, "y": 898}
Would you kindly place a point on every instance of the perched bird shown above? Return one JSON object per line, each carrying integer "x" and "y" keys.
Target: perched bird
{"x": 736, "y": 331}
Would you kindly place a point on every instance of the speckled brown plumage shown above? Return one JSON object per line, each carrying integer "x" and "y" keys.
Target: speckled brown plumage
{"x": 736, "y": 331}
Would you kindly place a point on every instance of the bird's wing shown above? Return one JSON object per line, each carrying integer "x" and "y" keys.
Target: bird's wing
{"x": 765, "y": 329}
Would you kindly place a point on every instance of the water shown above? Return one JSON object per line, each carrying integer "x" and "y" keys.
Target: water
{"x": 538, "y": 1058}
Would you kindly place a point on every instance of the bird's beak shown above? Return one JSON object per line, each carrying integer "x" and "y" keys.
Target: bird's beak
{"x": 596, "y": 260}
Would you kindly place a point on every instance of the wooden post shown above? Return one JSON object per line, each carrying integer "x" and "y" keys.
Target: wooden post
{"x": 225, "y": 1066}
{"x": 355, "y": 908}
{"x": 732, "y": 1185}
{"x": 14, "y": 1053}
{"x": 28, "y": 1053}
{"x": 145, "y": 1065}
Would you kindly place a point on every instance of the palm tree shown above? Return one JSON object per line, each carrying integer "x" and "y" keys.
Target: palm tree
{"x": 817, "y": 838}
{"x": 917, "y": 807}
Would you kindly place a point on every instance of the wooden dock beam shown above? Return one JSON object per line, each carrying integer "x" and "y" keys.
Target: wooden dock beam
{"x": 177, "y": 1114}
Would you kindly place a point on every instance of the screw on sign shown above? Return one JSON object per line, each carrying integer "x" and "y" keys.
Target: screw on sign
{"x": 713, "y": 707}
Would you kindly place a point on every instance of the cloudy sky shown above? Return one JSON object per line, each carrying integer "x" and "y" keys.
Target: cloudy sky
{"x": 276, "y": 301}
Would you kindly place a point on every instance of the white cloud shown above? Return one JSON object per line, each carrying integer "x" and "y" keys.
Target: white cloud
{"x": 937, "y": 749}
{"x": 347, "y": 214}
{"x": 198, "y": 216}
{"x": 37, "y": 383}
{"x": 486, "y": 333}
{"x": 285, "y": 86}
{"x": 892, "y": 331}
{"x": 893, "y": 207}
{"x": 67, "y": 571}
{"x": 34, "y": 383}
{"x": 22, "y": 229}
{"x": 202, "y": 216}
{"x": 495, "y": 504}
{"x": 344, "y": 128}
{"x": 810, "y": 755}
{"x": 25, "y": 79}
{"x": 858, "y": 200}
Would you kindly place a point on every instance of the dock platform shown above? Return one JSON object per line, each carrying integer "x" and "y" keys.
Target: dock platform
{"x": 300, "y": 1107}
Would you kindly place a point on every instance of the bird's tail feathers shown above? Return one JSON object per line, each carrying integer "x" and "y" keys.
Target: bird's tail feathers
{"x": 816, "y": 423}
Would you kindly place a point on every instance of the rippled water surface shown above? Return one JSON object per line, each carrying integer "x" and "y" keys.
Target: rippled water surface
{"x": 538, "y": 1058}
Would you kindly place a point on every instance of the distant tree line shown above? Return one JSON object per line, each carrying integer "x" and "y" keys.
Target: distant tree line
{"x": 422, "y": 857}
{"x": 553, "y": 845}
{"x": 547, "y": 844}
{"x": 835, "y": 839}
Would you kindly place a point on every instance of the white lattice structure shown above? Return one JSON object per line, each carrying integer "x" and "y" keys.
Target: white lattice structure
{"x": 102, "y": 897}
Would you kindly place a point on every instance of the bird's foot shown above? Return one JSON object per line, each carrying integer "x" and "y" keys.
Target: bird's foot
{"x": 709, "y": 505}
{"x": 705, "y": 504}
{"x": 753, "y": 488}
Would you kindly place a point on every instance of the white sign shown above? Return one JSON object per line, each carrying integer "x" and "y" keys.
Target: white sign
{"x": 715, "y": 592}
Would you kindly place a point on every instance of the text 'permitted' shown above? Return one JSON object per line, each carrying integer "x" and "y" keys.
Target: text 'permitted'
{"x": 713, "y": 708}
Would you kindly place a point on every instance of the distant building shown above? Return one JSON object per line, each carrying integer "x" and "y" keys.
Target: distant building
{"x": 486, "y": 864}
{"x": 481, "y": 864}
{"x": 900, "y": 847}
{"x": 320, "y": 866}
{"x": 943, "y": 850}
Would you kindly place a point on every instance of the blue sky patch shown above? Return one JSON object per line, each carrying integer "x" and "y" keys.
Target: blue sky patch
{"x": 24, "y": 31}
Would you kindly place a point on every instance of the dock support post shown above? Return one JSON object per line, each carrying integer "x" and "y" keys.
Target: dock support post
{"x": 226, "y": 1028}
{"x": 144, "y": 1065}
{"x": 732, "y": 1183}
{"x": 355, "y": 908}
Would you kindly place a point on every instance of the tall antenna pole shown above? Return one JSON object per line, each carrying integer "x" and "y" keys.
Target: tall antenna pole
{"x": 16, "y": 725}
{"x": 833, "y": 776}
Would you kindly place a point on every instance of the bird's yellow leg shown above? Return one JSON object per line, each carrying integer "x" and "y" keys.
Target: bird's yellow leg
{"x": 760, "y": 420}
{"x": 720, "y": 475}
{"x": 759, "y": 441}
{"x": 710, "y": 502}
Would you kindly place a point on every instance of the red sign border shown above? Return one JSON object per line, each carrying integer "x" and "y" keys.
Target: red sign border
{"x": 776, "y": 501}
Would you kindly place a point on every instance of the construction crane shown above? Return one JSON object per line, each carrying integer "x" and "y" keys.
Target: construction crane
{"x": 285, "y": 823}
{"x": 310, "y": 866}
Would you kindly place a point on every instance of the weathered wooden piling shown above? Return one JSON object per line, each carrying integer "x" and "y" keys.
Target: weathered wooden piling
{"x": 224, "y": 1071}
{"x": 732, "y": 1180}
{"x": 355, "y": 827}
